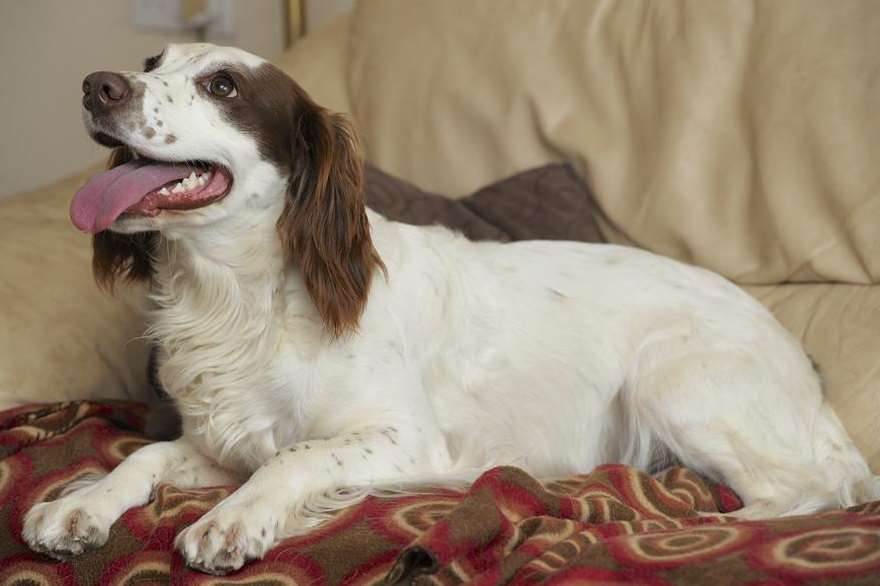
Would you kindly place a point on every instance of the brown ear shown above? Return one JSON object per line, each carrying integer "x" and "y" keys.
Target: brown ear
{"x": 121, "y": 256}
{"x": 324, "y": 227}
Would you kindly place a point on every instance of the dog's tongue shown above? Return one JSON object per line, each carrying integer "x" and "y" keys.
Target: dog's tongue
{"x": 107, "y": 195}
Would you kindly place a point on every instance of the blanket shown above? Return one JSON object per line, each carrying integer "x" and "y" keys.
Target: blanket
{"x": 610, "y": 525}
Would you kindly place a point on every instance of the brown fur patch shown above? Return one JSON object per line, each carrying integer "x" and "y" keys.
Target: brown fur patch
{"x": 324, "y": 227}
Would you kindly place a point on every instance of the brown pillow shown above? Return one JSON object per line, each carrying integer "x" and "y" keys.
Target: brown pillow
{"x": 546, "y": 203}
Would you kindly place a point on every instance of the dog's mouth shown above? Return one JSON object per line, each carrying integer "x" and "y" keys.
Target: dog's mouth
{"x": 145, "y": 188}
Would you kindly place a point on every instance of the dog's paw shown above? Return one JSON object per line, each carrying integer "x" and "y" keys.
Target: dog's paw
{"x": 227, "y": 537}
{"x": 66, "y": 527}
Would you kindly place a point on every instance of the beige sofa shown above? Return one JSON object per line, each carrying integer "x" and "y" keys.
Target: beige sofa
{"x": 741, "y": 136}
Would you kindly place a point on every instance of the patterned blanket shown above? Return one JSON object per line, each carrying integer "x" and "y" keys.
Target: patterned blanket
{"x": 612, "y": 525}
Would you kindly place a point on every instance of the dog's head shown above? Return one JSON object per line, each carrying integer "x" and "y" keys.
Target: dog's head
{"x": 214, "y": 138}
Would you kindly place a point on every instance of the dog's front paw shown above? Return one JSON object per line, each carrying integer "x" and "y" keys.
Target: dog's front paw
{"x": 66, "y": 527}
{"x": 227, "y": 537}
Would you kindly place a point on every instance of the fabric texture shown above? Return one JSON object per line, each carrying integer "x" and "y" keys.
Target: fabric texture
{"x": 318, "y": 63}
{"x": 609, "y": 526}
{"x": 547, "y": 203}
{"x": 60, "y": 336}
{"x": 739, "y": 136}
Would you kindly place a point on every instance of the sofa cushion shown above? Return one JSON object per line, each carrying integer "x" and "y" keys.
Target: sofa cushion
{"x": 546, "y": 203}
{"x": 61, "y": 337}
{"x": 739, "y": 136}
{"x": 318, "y": 62}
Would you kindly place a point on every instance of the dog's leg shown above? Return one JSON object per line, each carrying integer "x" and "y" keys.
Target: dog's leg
{"x": 251, "y": 520}
{"x": 81, "y": 520}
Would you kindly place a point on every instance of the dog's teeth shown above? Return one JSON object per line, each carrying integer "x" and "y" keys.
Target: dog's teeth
{"x": 202, "y": 180}
{"x": 179, "y": 188}
{"x": 193, "y": 181}
{"x": 164, "y": 191}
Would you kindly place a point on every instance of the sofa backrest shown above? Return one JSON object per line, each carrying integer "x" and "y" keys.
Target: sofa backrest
{"x": 741, "y": 136}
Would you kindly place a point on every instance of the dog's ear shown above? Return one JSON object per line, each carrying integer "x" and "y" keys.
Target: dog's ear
{"x": 121, "y": 256}
{"x": 324, "y": 227}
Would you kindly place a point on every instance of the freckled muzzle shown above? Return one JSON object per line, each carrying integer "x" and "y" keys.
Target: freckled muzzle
{"x": 104, "y": 91}
{"x": 112, "y": 101}
{"x": 145, "y": 186}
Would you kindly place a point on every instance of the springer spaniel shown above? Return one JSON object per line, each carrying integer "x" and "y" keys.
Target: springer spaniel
{"x": 318, "y": 352}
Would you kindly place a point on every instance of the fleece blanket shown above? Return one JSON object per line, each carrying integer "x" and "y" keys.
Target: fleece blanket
{"x": 610, "y": 525}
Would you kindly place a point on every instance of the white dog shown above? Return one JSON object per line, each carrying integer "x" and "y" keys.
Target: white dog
{"x": 316, "y": 350}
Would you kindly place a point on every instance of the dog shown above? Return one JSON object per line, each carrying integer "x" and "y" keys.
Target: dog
{"x": 317, "y": 352}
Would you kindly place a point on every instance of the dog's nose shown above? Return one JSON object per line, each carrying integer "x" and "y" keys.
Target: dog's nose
{"x": 104, "y": 90}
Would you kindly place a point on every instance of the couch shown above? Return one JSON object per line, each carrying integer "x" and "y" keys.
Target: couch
{"x": 739, "y": 136}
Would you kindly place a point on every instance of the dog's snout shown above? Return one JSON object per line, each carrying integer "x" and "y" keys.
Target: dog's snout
{"x": 103, "y": 91}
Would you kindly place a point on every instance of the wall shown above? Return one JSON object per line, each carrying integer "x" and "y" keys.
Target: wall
{"x": 48, "y": 46}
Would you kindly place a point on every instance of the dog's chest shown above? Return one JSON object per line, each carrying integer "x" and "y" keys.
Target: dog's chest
{"x": 220, "y": 364}
{"x": 233, "y": 413}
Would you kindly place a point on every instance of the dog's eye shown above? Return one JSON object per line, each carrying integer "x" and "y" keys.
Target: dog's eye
{"x": 222, "y": 86}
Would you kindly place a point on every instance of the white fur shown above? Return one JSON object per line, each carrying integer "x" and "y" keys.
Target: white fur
{"x": 554, "y": 356}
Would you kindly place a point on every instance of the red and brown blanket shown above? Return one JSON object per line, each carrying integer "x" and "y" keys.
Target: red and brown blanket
{"x": 611, "y": 525}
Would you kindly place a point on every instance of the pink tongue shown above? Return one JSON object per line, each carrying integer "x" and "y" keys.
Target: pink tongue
{"x": 107, "y": 195}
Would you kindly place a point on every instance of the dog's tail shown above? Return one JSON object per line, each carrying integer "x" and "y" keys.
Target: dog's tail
{"x": 850, "y": 493}
{"x": 839, "y": 476}
{"x": 844, "y": 468}
{"x": 858, "y": 492}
